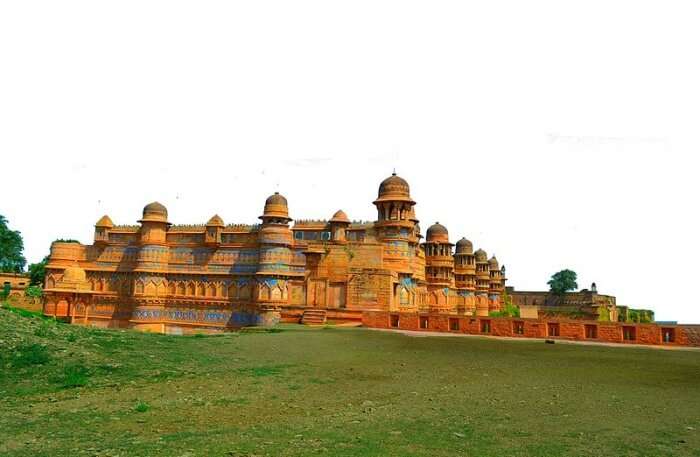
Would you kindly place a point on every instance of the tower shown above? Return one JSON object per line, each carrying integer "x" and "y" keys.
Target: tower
{"x": 395, "y": 226}
{"x": 275, "y": 257}
{"x": 153, "y": 253}
{"x": 465, "y": 274}
{"x": 439, "y": 266}
{"x": 483, "y": 276}
{"x": 495, "y": 285}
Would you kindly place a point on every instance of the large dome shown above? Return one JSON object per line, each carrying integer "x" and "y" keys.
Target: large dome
{"x": 154, "y": 212}
{"x": 276, "y": 206}
{"x": 493, "y": 263}
{"x": 464, "y": 246}
{"x": 480, "y": 255}
{"x": 437, "y": 233}
{"x": 394, "y": 188}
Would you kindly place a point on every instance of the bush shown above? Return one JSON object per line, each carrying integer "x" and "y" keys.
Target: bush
{"x": 43, "y": 330}
{"x": 142, "y": 407}
{"x": 74, "y": 376}
{"x": 30, "y": 354}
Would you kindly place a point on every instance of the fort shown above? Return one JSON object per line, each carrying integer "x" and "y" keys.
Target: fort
{"x": 169, "y": 278}
{"x": 179, "y": 279}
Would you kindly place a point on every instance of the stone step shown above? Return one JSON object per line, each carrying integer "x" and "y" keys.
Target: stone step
{"x": 314, "y": 316}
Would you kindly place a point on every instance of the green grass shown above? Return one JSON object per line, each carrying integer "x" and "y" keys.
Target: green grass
{"x": 297, "y": 391}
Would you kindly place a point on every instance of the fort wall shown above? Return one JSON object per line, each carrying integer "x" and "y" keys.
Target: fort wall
{"x": 556, "y": 329}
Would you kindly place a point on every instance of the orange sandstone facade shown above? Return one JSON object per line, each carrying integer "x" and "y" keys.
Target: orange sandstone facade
{"x": 169, "y": 278}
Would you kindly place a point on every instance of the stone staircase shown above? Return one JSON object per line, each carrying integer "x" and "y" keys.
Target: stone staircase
{"x": 313, "y": 316}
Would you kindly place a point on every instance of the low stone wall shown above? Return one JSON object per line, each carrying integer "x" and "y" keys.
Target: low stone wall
{"x": 567, "y": 329}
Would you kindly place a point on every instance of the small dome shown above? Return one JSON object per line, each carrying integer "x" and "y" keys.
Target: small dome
{"x": 215, "y": 221}
{"x": 74, "y": 274}
{"x": 394, "y": 188}
{"x": 480, "y": 255}
{"x": 437, "y": 233}
{"x": 493, "y": 263}
{"x": 340, "y": 216}
{"x": 276, "y": 199}
{"x": 104, "y": 222}
{"x": 276, "y": 206}
{"x": 154, "y": 212}
{"x": 464, "y": 246}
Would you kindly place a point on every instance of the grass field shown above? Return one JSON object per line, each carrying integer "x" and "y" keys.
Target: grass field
{"x": 72, "y": 391}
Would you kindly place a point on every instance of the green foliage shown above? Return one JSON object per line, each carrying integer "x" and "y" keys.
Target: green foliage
{"x": 34, "y": 291}
{"x": 6, "y": 288}
{"x": 562, "y": 282}
{"x": 66, "y": 240}
{"x": 37, "y": 271}
{"x": 25, "y": 313}
{"x": 603, "y": 314}
{"x": 508, "y": 308}
{"x": 142, "y": 407}
{"x": 11, "y": 247}
{"x": 639, "y": 316}
{"x": 30, "y": 354}
{"x": 75, "y": 375}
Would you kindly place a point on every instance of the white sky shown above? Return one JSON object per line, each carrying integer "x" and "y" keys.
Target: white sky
{"x": 555, "y": 134}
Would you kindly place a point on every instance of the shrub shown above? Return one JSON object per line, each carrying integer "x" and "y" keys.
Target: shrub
{"x": 74, "y": 376}
{"x": 42, "y": 330}
{"x": 142, "y": 407}
{"x": 30, "y": 354}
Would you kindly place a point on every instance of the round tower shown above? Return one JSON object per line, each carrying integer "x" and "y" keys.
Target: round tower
{"x": 394, "y": 208}
{"x": 438, "y": 257}
{"x": 465, "y": 273}
{"x": 153, "y": 253}
{"x": 495, "y": 284}
{"x": 275, "y": 257}
{"x": 483, "y": 277}
{"x": 395, "y": 226}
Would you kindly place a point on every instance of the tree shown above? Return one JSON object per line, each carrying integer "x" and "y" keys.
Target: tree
{"x": 5, "y": 292}
{"x": 37, "y": 271}
{"x": 11, "y": 247}
{"x": 562, "y": 282}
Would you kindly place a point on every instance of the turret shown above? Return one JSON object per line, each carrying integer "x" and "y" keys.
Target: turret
{"x": 483, "y": 274}
{"x": 395, "y": 218}
{"x": 276, "y": 211}
{"x": 102, "y": 228}
{"x": 495, "y": 284}
{"x": 339, "y": 223}
{"x": 214, "y": 227}
{"x": 438, "y": 256}
{"x": 154, "y": 251}
{"x": 274, "y": 266}
{"x": 154, "y": 224}
{"x": 465, "y": 267}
